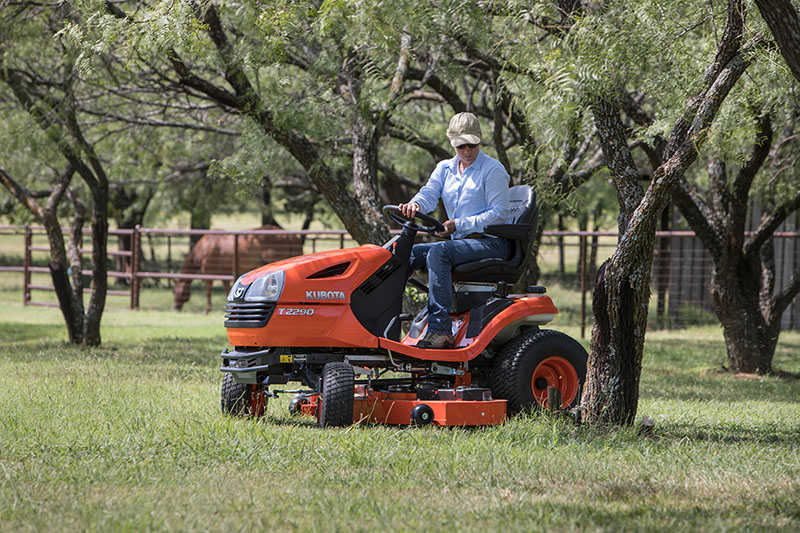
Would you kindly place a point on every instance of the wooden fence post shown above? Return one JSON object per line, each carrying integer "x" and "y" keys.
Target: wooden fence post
{"x": 26, "y": 266}
{"x": 135, "y": 248}
{"x": 553, "y": 399}
{"x": 169, "y": 258}
{"x": 583, "y": 285}
{"x": 235, "y": 256}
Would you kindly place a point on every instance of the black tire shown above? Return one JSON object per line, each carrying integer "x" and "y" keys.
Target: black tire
{"x": 241, "y": 399}
{"x": 515, "y": 364}
{"x": 422, "y": 415}
{"x": 338, "y": 390}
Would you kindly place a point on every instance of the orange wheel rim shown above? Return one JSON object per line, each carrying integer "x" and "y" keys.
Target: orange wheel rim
{"x": 555, "y": 372}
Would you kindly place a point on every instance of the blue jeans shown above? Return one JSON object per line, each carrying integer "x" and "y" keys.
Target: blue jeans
{"x": 440, "y": 257}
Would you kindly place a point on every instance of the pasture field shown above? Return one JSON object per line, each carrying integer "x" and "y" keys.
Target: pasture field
{"x": 129, "y": 437}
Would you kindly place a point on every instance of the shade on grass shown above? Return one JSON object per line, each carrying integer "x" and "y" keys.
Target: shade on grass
{"x": 129, "y": 436}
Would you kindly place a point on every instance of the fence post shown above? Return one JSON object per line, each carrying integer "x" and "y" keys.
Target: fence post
{"x": 26, "y": 266}
{"x": 135, "y": 244}
{"x": 235, "y": 256}
{"x": 341, "y": 240}
{"x": 553, "y": 399}
{"x": 169, "y": 259}
{"x": 583, "y": 285}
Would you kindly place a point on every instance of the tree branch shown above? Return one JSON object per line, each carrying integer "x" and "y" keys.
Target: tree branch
{"x": 783, "y": 20}
{"x": 394, "y": 176}
{"x": 726, "y": 53}
{"x": 782, "y": 300}
{"x": 158, "y": 123}
{"x": 62, "y": 185}
{"x": 432, "y": 148}
{"x": 770, "y": 224}
{"x": 613, "y": 139}
{"x": 699, "y": 215}
{"x": 22, "y": 194}
{"x": 449, "y": 94}
{"x": 761, "y": 148}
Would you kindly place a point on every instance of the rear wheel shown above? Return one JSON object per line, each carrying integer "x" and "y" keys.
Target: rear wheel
{"x": 338, "y": 384}
{"x": 530, "y": 363}
{"x": 242, "y": 399}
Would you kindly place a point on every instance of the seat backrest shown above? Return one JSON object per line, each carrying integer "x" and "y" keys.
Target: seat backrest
{"x": 522, "y": 209}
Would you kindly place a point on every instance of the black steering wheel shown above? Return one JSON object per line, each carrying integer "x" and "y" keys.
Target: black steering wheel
{"x": 433, "y": 225}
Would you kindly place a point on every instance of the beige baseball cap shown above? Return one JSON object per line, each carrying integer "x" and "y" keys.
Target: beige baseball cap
{"x": 464, "y": 128}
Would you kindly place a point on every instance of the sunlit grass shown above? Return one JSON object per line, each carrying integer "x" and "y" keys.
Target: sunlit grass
{"x": 129, "y": 436}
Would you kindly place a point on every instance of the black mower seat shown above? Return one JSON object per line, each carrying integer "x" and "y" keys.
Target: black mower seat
{"x": 519, "y": 230}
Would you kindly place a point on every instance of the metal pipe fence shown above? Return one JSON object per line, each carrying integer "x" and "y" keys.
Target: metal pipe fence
{"x": 157, "y": 257}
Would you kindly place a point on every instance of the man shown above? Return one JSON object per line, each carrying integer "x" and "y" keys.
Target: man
{"x": 474, "y": 190}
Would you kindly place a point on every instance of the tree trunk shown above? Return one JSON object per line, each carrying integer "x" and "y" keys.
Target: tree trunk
{"x": 199, "y": 218}
{"x": 735, "y": 297}
{"x": 129, "y": 208}
{"x": 365, "y": 179}
{"x": 70, "y": 305}
{"x": 57, "y": 118}
{"x": 267, "y": 213}
{"x": 662, "y": 265}
{"x": 784, "y": 23}
{"x": 97, "y": 301}
{"x": 622, "y": 290}
{"x": 621, "y": 296}
{"x": 70, "y": 298}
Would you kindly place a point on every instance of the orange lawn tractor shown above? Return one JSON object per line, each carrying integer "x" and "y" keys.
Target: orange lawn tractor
{"x": 333, "y": 320}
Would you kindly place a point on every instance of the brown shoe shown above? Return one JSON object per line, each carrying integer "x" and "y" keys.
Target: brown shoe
{"x": 436, "y": 341}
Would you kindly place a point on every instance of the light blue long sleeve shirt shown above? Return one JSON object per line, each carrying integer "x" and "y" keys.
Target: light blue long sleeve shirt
{"x": 474, "y": 200}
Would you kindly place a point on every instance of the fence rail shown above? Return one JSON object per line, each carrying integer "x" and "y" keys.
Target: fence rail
{"x": 680, "y": 271}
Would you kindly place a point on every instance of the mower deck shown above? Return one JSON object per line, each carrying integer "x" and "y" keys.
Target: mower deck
{"x": 462, "y": 407}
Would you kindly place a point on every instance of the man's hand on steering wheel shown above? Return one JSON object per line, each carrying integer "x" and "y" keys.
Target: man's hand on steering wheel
{"x": 404, "y": 214}
{"x": 409, "y": 210}
{"x": 449, "y": 229}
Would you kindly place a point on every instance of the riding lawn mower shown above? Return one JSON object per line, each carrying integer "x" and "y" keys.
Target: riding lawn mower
{"x": 333, "y": 322}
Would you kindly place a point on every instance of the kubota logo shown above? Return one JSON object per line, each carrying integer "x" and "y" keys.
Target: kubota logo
{"x": 324, "y": 295}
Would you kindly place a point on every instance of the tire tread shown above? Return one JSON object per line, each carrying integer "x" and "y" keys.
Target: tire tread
{"x": 338, "y": 383}
{"x": 234, "y": 397}
{"x": 506, "y": 370}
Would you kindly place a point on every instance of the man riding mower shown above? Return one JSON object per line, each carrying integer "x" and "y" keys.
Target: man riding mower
{"x": 324, "y": 318}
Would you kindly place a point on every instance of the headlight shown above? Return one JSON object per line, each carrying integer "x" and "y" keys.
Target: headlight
{"x": 267, "y": 288}
{"x": 237, "y": 291}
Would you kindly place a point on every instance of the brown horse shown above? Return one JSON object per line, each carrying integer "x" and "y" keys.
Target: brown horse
{"x": 213, "y": 254}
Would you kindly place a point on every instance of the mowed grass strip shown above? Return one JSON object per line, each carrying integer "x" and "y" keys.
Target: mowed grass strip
{"x": 129, "y": 436}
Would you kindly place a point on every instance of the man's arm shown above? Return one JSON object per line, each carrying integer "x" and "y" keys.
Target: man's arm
{"x": 428, "y": 196}
{"x": 496, "y": 197}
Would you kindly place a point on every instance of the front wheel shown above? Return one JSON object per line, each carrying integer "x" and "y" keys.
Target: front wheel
{"x": 242, "y": 399}
{"x": 531, "y": 362}
{"x": 338, "y": 391}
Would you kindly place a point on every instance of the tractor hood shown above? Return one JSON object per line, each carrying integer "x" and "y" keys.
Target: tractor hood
{"x": 330, "y": 275}
{"x": 316, "y": 263}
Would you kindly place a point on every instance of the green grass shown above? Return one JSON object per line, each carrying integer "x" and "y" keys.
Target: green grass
{"x": 129, "y": 437}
